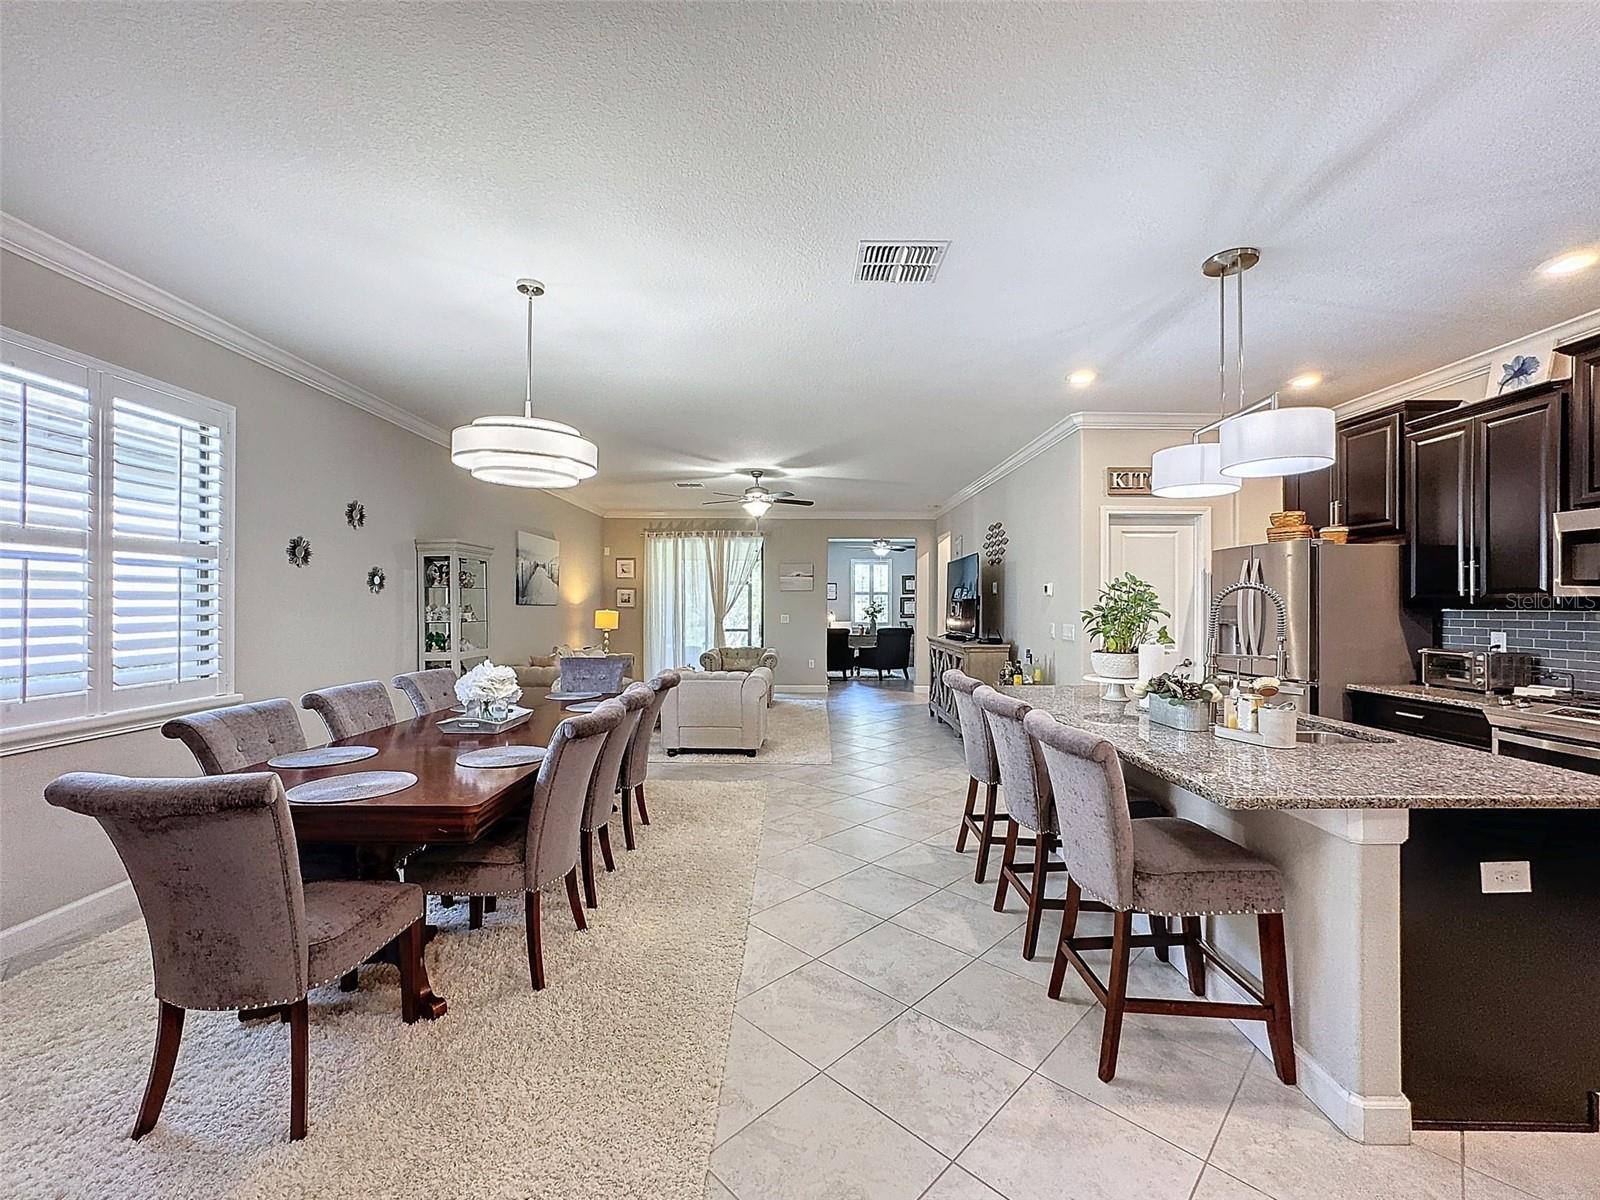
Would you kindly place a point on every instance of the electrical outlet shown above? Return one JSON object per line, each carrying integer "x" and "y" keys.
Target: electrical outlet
{"x": 1049, "y": 589}
{"x": 1052, "y": 631}
{"x": 1506, "y": 877}
{"x": 1497, "y": 640}
{"x": 812, "y": 663}
{"x": 605, "y": 551}
{"x": 783, "y": 618}
{"x": 1069, "y": 631}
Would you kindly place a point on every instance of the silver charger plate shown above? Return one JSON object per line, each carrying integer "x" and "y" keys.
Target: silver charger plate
{"x": 587, "y": 706}
{"x": 358, "y": 785}
{"x": 322, "y": 756}
{"x": 501, "y": 756}
{"x": 573, "y": 695}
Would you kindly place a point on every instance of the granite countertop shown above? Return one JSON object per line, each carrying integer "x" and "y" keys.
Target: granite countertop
{"x": 1433, "y": 695}
{"x": 1387, "y": 770}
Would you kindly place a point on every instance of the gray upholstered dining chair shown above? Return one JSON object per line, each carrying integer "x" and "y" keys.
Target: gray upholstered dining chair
{"x": 982, "y": 771}
{"x": 231, "y": 924}
{"x": 352, "y": 708}
{"x": 1160, "y": 866}
{"x": 604, "y": 784}
{"x": 225, "y": 740}
{"x": 1028, "y": 807}
{"x": 636, "y": 763}
{"x": 428, "y": 691}
{"x": 529, "y": 854}
{"x": 599, "y": 673}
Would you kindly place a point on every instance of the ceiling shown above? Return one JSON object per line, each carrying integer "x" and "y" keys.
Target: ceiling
{"x": 362, "y": 185}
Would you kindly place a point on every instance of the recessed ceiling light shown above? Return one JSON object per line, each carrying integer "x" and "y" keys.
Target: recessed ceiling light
{"x": 1571, "y": 262}
{"x": 1082, "y": 378}
{"x": 1304, "y": 382}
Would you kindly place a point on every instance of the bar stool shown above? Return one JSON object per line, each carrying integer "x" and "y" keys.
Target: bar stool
{"x": 1161, "y": 866}
{"x": 982, "y": 770}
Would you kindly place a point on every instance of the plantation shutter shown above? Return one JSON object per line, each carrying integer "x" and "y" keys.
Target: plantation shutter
{"x": 165, "y": 481}
{"x": 47, "y": 489}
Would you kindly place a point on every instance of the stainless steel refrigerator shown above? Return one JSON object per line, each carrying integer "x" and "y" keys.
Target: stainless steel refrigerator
{"x": 1345, "y": 621}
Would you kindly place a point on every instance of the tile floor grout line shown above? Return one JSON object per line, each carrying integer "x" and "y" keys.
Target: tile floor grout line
{"x": 1228, "y": 1112}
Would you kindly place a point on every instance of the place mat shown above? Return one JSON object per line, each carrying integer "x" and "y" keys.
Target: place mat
{"x": 573, "y": 695}
{"x": 501, "y": 756}
{"x": 322, "y": 756}
{"x": 587, "y": 707}
{"x": 360, "y": 785}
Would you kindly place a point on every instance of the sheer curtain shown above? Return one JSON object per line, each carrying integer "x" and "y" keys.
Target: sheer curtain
{"x": 692, "y": 581}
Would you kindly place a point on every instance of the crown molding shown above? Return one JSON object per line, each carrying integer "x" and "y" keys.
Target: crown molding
{"x": 49, "y": 251}
{"x": 1070, "y": 424}
{"x": 1464, "y": 370}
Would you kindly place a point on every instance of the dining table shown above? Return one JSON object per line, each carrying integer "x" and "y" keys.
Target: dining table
{"x": 449, "y": 803}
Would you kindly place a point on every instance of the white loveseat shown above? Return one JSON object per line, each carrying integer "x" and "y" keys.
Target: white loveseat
{"x": 717, "y": 710}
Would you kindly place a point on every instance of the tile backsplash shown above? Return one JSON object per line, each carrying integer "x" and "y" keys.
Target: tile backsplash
{"x": 1563, "y": 639}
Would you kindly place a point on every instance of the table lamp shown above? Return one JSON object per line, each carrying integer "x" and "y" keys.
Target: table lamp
{"x": 605, "y": 620}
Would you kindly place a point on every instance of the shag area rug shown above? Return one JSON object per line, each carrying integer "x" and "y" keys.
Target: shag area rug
{"x": 603, "y": 1085}
{"x": 797, "y": 732}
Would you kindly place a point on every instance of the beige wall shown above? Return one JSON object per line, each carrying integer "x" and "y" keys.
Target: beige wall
{"x": 801, "y": 642}
{"x": 301, "y": 457}
{"x": 1050, "y": 507}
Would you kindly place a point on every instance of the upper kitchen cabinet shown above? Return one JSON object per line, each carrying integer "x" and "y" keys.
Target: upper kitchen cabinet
{"x": 1583, "y": 447}
{"x": 1369, "y": 470}
{"x": 1481, "y": 493}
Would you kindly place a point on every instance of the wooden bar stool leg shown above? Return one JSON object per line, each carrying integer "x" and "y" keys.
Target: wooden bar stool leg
{"x": 968, "y": 815}
{"x": 1275, "y": 984}
{"x": 1069, "y": 926}
{"x": 530, "y": 910}
{"x": 475, "y": 912}
{"x": 605, "y": 847}
{"x": 1158, "y": 925}
{"x": 491, "y": 904}
{"x": 586, "y": 861}
{"x": 1006, "y": 859}
{"x": 627, "y": 819}
{"x": 578, "y": 918}
{"x": 1116, "y": 995}
{"x": 169, "y": 1032}
{"x": 349, "y": 981}
{"x": 988, "y": 833}
{"x": 644, "y": 813}
{"x": 1041, "y": 857}
{"x": 298, "y": 1069}
{"x": 1194, "y": 962}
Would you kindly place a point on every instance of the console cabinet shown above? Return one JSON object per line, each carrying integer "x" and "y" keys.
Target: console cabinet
{"x": 981, "y": 660}
{"x": 1583, "y": 444}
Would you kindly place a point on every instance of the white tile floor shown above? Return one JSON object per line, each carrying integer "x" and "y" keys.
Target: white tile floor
{"x": 890, "y": 1042}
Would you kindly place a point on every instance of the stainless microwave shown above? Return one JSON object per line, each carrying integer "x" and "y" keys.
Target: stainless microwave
{"x": 1578, "y": 553}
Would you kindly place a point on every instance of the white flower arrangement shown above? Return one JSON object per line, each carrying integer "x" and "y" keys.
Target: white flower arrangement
{"x": 487, "y": 683}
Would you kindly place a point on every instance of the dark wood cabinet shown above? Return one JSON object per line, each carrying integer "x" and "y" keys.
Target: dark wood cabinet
{"x": 1481, "y": 491}
{"x": 1311, "y": 493}
{"x": 1583, "y": 446}
{"x": 1442, "y": 722}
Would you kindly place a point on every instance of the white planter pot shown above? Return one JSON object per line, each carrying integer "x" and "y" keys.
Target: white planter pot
{"x": 1114, "y": 666}
{"x": 1156, "y": 659}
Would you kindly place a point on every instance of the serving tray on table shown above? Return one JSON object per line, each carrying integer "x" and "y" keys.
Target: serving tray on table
{"x": 482, "y": 725}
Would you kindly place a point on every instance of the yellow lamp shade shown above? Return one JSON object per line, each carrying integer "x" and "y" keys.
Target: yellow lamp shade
{"x": 606, "y": 619}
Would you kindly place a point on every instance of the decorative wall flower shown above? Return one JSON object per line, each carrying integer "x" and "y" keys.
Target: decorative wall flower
{"x": 1520, "y": 370}
{"x": 299, "y": 550}
{"x": 375, "y": 580}
{"x": 355, "y": 514}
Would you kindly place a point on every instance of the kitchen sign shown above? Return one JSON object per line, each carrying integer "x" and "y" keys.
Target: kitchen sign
{"x": 1127, "y": 481}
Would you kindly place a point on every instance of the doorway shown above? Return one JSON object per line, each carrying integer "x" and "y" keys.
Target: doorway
{"x": 873, "y": 599}
{"x": 1170, "y": 549}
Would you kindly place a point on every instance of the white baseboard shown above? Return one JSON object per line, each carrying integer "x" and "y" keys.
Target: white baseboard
{"x": 801, "y": 689}
{"x": 920, "y": 690}
{"x": 61, "y": 924}
{"x": 1372, "y": 1120}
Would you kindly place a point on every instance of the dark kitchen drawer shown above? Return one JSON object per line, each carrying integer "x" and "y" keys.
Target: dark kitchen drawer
{"x": 1421, "y": 718}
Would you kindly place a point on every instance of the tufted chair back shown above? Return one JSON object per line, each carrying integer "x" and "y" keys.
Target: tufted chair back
{"x": 225, "y": 740}
{"x": 607, "y": 777}
{"x": 559, "y": 793}
{"x": 429, "y": 691}
{"x": 213, "y": 864}
{"x": 1091, "y": 801}
{"x": 352, "y": 709}
{"x": 975, "y": 740}
{"x": 603, "y": 673}
{"x": 1023, "y": 777}
{"x": 636, "y": 763}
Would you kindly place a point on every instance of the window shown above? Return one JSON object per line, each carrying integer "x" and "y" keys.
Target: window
{"x": 869, "y": 584}
{"x": 688, "y": 578}
{"x": 113, "y": 544}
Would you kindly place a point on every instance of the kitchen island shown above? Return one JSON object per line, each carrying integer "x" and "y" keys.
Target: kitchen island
{"x": 1334, "y": 816}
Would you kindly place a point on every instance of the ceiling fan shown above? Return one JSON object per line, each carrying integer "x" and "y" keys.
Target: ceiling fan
{"x": 756, "y": 499}
{"x": 882, "y": 546}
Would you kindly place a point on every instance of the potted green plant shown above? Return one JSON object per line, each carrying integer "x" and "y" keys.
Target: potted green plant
{"x": 1120, "y": 620}
{"x": 1178, "y": 701}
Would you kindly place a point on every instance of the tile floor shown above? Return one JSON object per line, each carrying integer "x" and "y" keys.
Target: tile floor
{"x": 889, "y": 1041}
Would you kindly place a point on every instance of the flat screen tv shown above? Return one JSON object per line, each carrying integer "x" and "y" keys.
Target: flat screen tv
{"x": 963, "y": 610}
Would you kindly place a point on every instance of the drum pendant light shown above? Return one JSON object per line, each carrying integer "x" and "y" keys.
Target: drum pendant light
{"x": 525, "y": 451}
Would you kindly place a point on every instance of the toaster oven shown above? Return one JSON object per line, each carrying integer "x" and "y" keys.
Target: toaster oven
{"x": 1477, "y": 670}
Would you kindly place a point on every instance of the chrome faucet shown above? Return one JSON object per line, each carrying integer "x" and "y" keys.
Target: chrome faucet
{"x": 1216, "y": 608}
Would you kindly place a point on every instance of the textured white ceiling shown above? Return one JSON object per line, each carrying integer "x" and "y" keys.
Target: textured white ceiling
{"x": 361, "y": 184}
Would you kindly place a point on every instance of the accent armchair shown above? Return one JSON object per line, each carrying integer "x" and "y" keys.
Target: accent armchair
{"x": 717, "y": 710}
{"x": 741, "y": 658}
{"x": 891, "y": 651}
{"x": 231, "y": 924}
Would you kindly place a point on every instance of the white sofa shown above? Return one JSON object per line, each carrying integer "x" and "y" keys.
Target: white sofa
{"x": 717, "y": 710}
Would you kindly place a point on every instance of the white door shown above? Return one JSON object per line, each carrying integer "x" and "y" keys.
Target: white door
{"x": 1171, "y": 551}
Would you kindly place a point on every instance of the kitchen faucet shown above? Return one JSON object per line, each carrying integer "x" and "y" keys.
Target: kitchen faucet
{"x": 1216, "y": 608}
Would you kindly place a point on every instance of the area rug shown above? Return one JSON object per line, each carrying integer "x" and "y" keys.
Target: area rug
{"x": 605, "y": 1084}
{"x": 797, "y": 732}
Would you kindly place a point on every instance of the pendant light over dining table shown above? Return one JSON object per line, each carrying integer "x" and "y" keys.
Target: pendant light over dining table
{"x": 525, "y": 451}
{"x": 1258, "y": 440}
